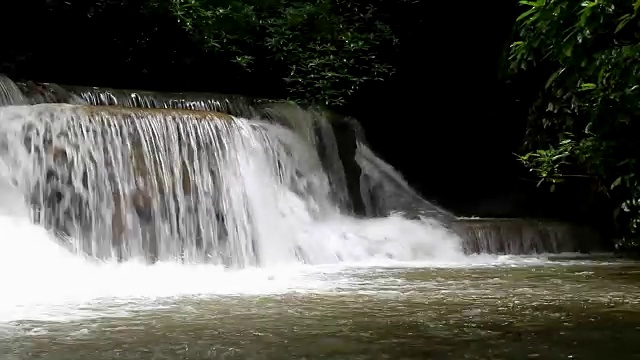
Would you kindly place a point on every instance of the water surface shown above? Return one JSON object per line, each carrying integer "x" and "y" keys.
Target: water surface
{"x": 514, "y": 308}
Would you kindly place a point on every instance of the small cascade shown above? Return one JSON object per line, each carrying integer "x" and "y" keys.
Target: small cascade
{"x": 45, "y": 93}
{"x": 315, "y": 127}
{"x": 370, "y": 182}
{"x": 10, "y": 93}
{"x": 384, "y": 191}
{"x": 235, "y": 105}
{"x": 152, "y": 177}
{"x": 524, "y": 236}
{"x": 190, "y": 186}
{"x": 310, "y": 124}
{"x": 203, "y": 177}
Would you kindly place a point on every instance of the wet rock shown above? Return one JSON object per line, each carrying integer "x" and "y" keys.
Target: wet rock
{"x": 524, "y": 236}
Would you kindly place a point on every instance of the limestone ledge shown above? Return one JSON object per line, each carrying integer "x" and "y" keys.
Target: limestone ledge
{"x": 525, "y": 236}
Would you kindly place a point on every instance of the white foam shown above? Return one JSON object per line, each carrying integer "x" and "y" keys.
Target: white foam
{"x": 43, "y": 281}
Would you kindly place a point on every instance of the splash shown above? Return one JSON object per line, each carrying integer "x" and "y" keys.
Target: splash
{"x": 44, "y": 281}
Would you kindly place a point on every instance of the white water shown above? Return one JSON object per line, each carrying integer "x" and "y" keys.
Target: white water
{"x": 43, "y": 281}
{"x": 384, "y": 190}
{"x": 10, "y": 93}
{"x": 290, "y": 219}
{"x": 279, "y": 212}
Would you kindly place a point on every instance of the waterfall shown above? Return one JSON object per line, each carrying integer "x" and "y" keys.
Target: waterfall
{"x": 310, "y": 124}
{"x": 525, "y": 236}
{"x": 235, "y": 105}
{"x": 190, "y": 186}
{"x": 382, "y": 189}
{"x": 385, "y": 191}
{"x": 10, "y": 93}
{"x": 347, "y": 175}
{"x": 315, "y": 128}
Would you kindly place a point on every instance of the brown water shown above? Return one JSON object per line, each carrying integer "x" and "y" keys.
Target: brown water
{"x": 556, "y": 310}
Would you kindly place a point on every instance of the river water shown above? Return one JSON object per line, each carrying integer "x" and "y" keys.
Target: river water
{"x": 57, "y": 305}
{"x": 389, "y": 287}
{"x": 499, "y": 308}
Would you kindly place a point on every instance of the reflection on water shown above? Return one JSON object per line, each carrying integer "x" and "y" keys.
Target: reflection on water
{"x": 562, "y": 311}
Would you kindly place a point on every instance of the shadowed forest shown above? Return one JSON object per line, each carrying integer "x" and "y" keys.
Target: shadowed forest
{"x": 505, "y": 109}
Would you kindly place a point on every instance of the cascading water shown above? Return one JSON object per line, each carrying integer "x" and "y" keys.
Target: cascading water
{"x": 385, "y": 191}
{"x": 359, "y": 181}
{"x": 52, "y": 93}
{"x": 114, "y": 188}
{"x": 196, "y": 187}
{"x": 10, "y": 93}
{"x": 525, "y": 236}
{"x": 311, "y": 125}
{"x": 316, "y": 129}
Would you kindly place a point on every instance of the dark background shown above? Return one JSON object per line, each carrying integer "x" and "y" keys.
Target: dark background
{"x": 448, "y": 120}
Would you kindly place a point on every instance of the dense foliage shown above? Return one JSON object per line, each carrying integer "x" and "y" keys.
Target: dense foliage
{"x": 579, "y": 59}
{"x": 323, "y": 49}
{"x": 584, "y": 124}
{"x": 319, "y": 51}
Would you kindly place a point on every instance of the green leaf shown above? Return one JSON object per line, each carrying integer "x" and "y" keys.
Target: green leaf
{"x": 624, "y": 20}
{"x": 526, "y": 14}
{"x": 537, "y": 3}
{"x": 560, "y": 156}
{"x": 553, "y": 78}
{"x": 616, "y": 183}
{"x": 587, "y": 86}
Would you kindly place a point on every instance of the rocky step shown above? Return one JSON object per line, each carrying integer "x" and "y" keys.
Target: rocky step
{"x": 525, "y": 236}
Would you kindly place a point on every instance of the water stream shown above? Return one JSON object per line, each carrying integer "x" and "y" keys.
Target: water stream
{"x": 172, "y": 232}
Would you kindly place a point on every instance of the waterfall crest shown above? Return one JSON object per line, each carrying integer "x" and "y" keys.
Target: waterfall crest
{"x": 10, "y": 93}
